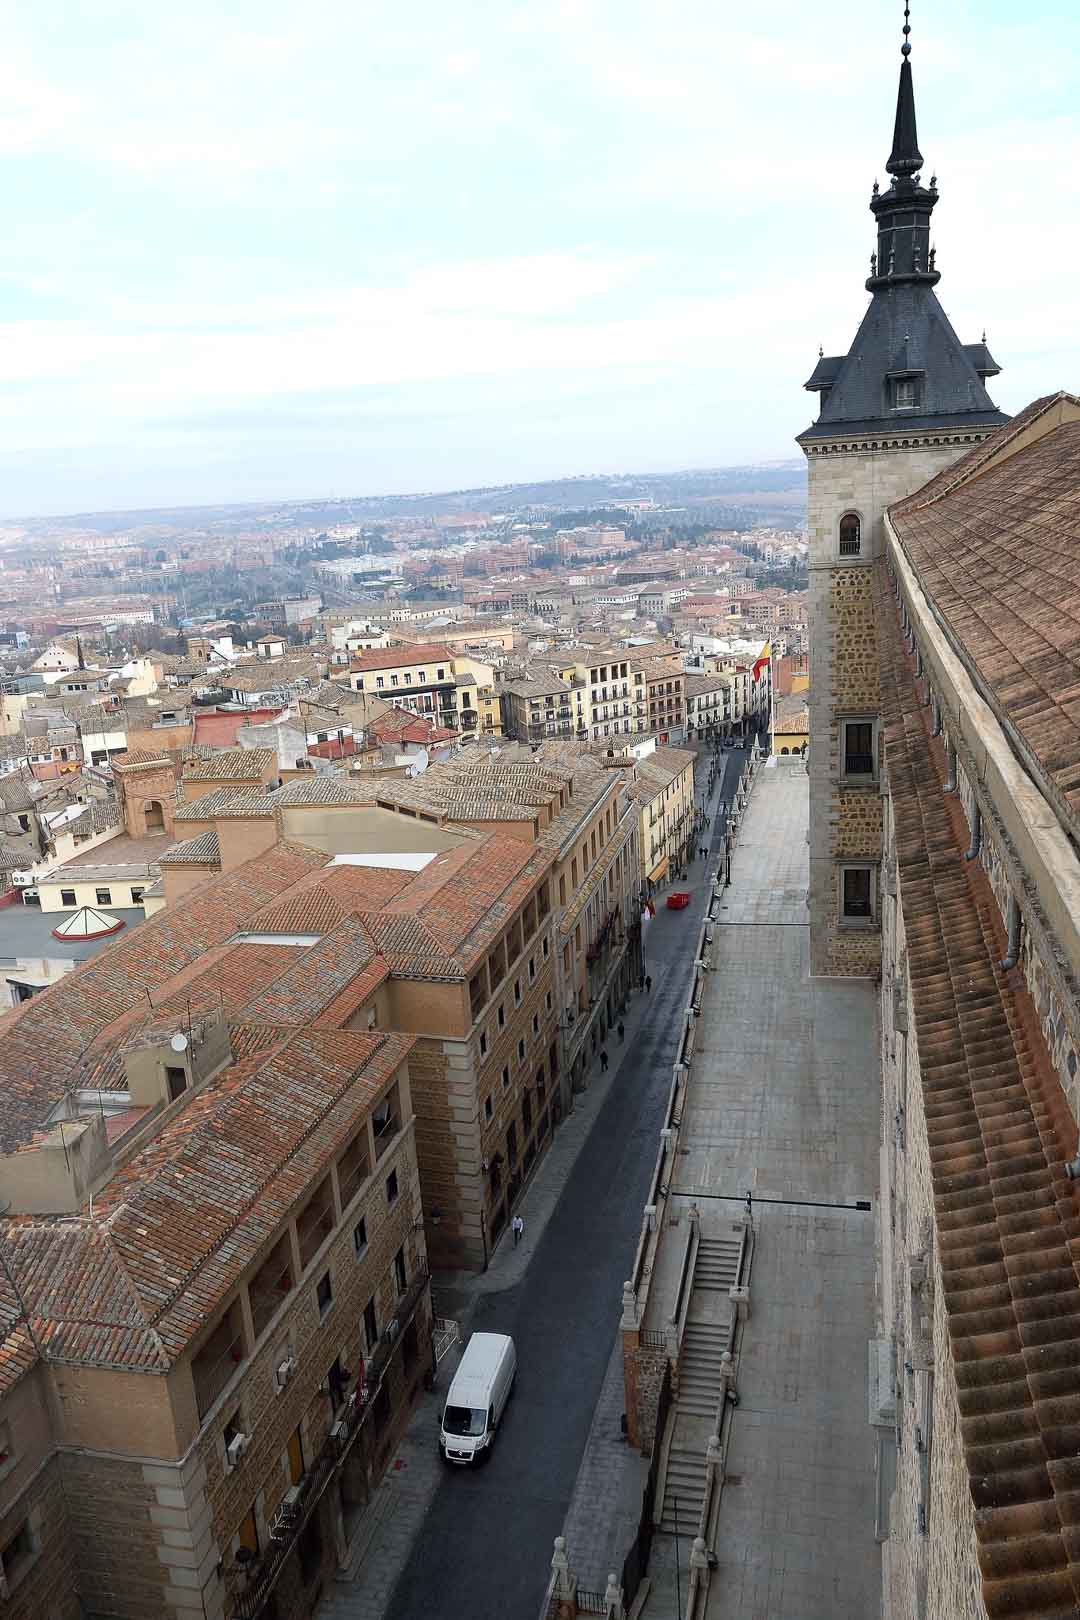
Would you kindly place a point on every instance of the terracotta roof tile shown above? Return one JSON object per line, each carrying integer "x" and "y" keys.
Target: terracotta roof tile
{"x": 997, "y": 1137}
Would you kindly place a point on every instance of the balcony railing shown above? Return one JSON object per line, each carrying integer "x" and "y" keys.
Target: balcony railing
{"x": 253, "y": 1583}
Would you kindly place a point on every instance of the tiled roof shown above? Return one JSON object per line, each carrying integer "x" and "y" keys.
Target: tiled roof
{"x": 995, "y": 548}
{"x": 138, "y": 760}
{"x": 1008, "y": 1220}
{"x": 325, "y": 789}
{"x": 228, "y": 801}
{"x": 42, "y": 1051}
{"x": 233, "y": 765}
{"x": 199, "y": 851}
{"x": 429, "y": 652}
{"x": 178, "y": 1225}
{"x": 315, "y": 978}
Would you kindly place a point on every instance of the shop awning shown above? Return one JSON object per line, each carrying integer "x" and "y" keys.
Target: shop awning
{"x": 660, "y": 872}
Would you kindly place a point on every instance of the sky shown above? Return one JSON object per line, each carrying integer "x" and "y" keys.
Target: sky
{"x": 261, "y": 251}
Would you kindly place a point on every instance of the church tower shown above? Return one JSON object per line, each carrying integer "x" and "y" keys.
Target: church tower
{"x": 905, "y": 402}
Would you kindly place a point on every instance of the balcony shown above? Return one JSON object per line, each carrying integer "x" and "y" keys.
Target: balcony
{"x": 215, "y": 1363}
{"x": 271, "y": 1283}
{"x": 315, "y": 1223}
{"x": 252, "y": 1584}
{"x": 386, "y": 1121}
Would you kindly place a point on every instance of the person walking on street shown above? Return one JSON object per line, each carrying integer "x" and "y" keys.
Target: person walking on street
{"x": 622, "y": 1031}
{"x": 603, "y": 1060}
{"x": 648, "y": 984}
{"x": 517, "y": 1226}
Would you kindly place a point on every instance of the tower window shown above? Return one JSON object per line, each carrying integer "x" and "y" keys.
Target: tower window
{"x": 904, "y": 394}
{"x": 859, "y": 749}
{"x": 850, "y": 535}
{"x": 857, "y": 896}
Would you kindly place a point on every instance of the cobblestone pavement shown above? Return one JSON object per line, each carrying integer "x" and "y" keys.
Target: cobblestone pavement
{"x": 479, "y": 1543}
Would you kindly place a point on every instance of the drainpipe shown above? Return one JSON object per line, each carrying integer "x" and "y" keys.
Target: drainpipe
{"x": 935, "y": 729}
{"x": 918, "y": 663}
{"x": 1012, "y": 950}
{"x": 973, "y": 848}
{"x": 950, "y": 760}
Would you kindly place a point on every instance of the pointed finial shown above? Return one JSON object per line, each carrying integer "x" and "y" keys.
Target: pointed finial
{"x": 984, "y": 334}
{"x": 905, "y": 49}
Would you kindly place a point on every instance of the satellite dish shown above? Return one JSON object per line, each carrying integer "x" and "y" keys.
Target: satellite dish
{"x": 179, "y": 1042}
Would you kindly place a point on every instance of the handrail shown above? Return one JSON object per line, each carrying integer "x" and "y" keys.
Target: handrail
{"x": 682, "y": 1298}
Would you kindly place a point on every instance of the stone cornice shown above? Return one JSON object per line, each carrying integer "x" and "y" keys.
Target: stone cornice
{"x": 886, "y": 442}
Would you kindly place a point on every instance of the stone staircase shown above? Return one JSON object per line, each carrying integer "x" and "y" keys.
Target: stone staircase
{"x": 705, "y": 1338}
{"x": 717, "y": 1263}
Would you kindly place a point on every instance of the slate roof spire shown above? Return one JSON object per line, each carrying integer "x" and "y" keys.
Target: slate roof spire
{"x": 905, "y": 157}
{"x": 904, "y": 254}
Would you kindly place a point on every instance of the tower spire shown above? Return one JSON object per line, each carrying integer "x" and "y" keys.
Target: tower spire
{"x": 905, "y": 159}
{"x": 903, "y": 212}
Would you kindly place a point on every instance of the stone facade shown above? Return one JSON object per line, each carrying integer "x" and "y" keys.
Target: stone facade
{"x": 860, "y": 477}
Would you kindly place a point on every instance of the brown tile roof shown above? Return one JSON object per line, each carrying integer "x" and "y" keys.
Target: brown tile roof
{"x": 995, "y": 548}
{"x": 428, "y": 652}
{"x": 41, "y": 1053}
{"x": 232, "y": 765}
{"x": 174, "y": 1231}
{"x": 201, "y": 851}
{"x": 228, "y": 801}
{"x": 317, "y": 976}
{"x": 1008, "y": 1220}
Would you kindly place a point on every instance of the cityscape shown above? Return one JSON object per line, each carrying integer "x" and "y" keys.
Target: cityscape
{"x": 539, "y": 1020}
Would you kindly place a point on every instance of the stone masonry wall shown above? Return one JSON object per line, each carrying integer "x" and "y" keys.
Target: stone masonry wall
{"x": 844, "y": 824}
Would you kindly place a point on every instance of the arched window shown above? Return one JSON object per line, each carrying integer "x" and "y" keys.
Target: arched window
{"x": 850, "y": 535}
{"x": 785, "y": 750}
{"x": 155, "y": 816}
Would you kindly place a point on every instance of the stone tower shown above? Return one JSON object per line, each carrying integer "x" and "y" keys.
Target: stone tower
{"x": 906, "y": 400}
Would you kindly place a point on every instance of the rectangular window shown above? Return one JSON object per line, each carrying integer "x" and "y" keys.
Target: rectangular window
{"x": 401, "y": 1276}
{"x": 391, "y": 1187}
{"x": 483, "y": 1044}
{"x": 67, "y": 897}
{"x": 506, "y": 1076}
{"x": 136, "y": 896}
{"x": 488, "y": 1108}
{"x": 175, "y": 1080}
{"x": 371, "y": 1326}
{"x": 536, "y": 1023}
{"x": 379, "y": 681}
{"x": 517, "y": 992}
{"x": 324, "y": 1293}
{"x": 501, "y": 1016}
{"x": 857, "y": 894}
{"x": 859, "y": 754}
{"x": 905, "y": 394}
{"x": 359, "y": 1237}
{"x": 521, "y": 1050}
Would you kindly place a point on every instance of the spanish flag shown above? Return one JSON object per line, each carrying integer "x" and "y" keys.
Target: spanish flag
{"x": 762, "y": 659}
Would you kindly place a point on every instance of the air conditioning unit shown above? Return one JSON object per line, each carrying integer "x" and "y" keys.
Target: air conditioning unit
{"x": 236, "y": 1449}
{"x": 290, "y": 1502}
{"x": 339, "y": 1432}
{"x": 284, "y": 1372}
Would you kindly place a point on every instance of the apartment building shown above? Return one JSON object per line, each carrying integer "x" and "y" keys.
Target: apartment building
{"x": 579, "y": 814}
{"x": 659, "y": 685}
{"x": 662, "y": 788}
{"x": 217, "y": 1312}
{"x": 428, "y": 678}
{"x": 709, "y": 706}
{"x": 537, "y": 709}
{"x": 604, "y": 693}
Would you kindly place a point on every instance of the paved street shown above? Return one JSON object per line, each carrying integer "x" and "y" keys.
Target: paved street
{"x": 485, "y": 1544}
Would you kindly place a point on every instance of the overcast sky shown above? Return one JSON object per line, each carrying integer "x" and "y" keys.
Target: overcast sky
{"x": 262, "y": 249}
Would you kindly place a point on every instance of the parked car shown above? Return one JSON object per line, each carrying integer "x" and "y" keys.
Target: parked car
{"x": 477, "y": 1399}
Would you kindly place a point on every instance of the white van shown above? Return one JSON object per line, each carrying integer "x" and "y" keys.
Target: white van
{"x": 477, "y": 1398}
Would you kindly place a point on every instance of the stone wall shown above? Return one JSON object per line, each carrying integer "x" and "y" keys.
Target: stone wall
{"x": 45, "y": 1584}
{"x": 864, "y": 478}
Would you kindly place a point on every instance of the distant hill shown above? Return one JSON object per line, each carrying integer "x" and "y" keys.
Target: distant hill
{"x": 772, "y": 492}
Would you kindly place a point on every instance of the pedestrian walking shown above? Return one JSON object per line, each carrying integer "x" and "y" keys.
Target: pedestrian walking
{"x": 517, "y": 1226}
{"x": 648, "y": 984}
{"x": 603, "y": 1060}
{"x": 622, "y": 1031}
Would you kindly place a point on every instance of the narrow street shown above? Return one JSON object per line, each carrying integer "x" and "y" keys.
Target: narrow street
{"x": 485, "y": 1544}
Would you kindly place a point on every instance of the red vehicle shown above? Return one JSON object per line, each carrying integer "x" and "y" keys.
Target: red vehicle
{"x": 678, "y": 900}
